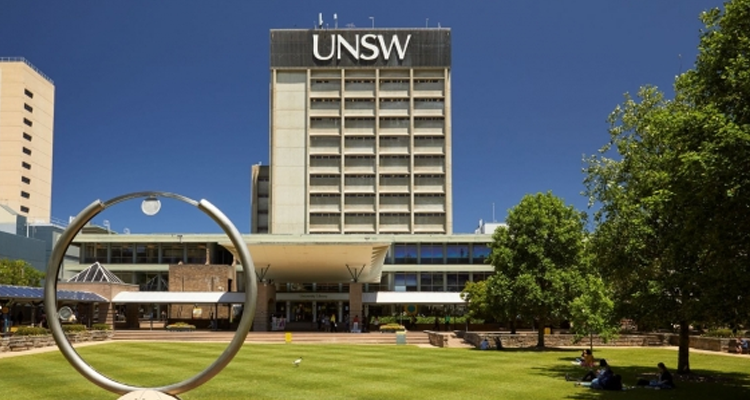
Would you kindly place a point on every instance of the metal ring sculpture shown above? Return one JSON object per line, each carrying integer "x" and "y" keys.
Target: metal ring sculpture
{"x": 50, "y": 296}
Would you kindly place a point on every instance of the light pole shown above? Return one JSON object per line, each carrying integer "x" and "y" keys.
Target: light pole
{"x": 373, "y": 21}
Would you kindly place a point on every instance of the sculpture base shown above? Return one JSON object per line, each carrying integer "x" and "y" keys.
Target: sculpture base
{"x": 147, "y": 394}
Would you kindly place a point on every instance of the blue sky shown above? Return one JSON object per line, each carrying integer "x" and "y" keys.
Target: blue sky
{"x": 173, "y": 96}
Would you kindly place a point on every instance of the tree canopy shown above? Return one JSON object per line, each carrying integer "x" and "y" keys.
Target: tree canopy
{"x": 538, "y": 260}
{"x": 19, "y": 273}
{"x": 673, "y": 231}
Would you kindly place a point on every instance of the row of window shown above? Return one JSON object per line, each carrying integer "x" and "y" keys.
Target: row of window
{"x": 438, "y": 253}
{"x": 165, "y": 253}
{"x": 195, "y": 253}
{"x": 26, "y": 150}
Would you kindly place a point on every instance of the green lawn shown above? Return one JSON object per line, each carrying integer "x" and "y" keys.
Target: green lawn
{"x": 265, "y": 371}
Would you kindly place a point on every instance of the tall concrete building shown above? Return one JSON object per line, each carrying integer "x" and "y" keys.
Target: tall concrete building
{"x": 360, "y": 133}
{"x": 27, "y": 105}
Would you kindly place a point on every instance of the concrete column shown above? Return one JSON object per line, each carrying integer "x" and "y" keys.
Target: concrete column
{"x": 355, "y": 301}
{"x": 131, "y": 316}
{"x": 261, "y": 322}
{"x": 106, "y": 314}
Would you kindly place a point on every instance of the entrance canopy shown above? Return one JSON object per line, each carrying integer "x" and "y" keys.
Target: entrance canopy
{"x": 180, "y": 297}
{"x": 412, "y": 298}
{"x": 297, "y": 259}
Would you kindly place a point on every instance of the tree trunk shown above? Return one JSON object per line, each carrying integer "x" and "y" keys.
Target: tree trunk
{"x": 683, "y": 358}
{"x": 512, "y": 326}
{"x": 540, "y": 333}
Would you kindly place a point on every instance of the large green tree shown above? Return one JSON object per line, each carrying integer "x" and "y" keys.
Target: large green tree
{"x": 539, "y": 258}
{"x": 19, "y": 273}
{"x": 673, "y": 185}
{"x": 492, "y": 299}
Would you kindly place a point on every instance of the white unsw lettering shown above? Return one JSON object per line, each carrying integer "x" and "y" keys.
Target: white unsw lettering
{"x": 369, "y": 44}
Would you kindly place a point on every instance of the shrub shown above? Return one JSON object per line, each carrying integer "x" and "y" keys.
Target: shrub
{"x": 391, "y": 327}
{"x": 181, "y": 325}
{"x": 719, "y": 333}
{"x": 101, "y": 327}
{"x": 30, "y": 331}
{"x": 455, "y": 320}
{"x": 74, "y": 328}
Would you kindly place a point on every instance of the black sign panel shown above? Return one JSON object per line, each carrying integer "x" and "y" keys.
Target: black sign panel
{"x": 366, "y": 48}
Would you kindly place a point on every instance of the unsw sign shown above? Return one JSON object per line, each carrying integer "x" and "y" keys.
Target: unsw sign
{"x": 366, "y": 47}
{"x": 345, "y": 48}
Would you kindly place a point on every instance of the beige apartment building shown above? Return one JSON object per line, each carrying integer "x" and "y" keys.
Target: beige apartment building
{"x": 27, "y": 105}
{"x": 360, "y": 133}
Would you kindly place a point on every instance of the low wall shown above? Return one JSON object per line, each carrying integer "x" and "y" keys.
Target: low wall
{"x": 703, "y": 343}
{"x": 560, "y": 340}
{"x": 21, "y": 343}
{"x": 438, "y": 339}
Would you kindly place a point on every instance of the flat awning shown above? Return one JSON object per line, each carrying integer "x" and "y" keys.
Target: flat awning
{"x": 289, "y": 260}
{"x": 412, "y": 298}
{"x": 180, "y": 297}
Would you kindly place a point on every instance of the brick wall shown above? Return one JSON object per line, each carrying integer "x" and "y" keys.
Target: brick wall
{"x": 201, "y": 278}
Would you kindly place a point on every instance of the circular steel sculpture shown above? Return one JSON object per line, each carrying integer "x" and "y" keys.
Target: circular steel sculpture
{"x": 50, "y": 295}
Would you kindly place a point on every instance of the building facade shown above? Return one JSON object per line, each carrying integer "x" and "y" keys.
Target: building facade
{"x": 360, "y": 133}
{"x": 27, "y": 105}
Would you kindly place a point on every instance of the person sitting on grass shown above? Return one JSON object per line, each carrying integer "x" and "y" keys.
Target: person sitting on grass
{"x": 742, "y": 344}
{"x": 664, "y": 380}
{"x": 586, "y": 359}
{"x": 599, "y": 380}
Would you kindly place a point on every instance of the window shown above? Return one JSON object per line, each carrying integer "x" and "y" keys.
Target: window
{"x": 431, "y": 254}
{"x": 27, "y": 151}
{"x": 171, "y": 253}
{"x": 27, "y": 136}
{"x": 147, "y": 254}
{"x": 25, "y": 164}
{"x": 405, "y": 282}
{"x": 28, "y": 93}
{"x": 458, "y": 253}
{"x": 28, "y": 122}
{"x": 432, "y": 282}
{"x": 405, "y": 254}
{"x": 25, "y": 180}
{"x": 196, "y": 253}
{"x": 456, "y": 281}
{"x": 121, "y": 253}
{"x": 25, "y": 195}
{"x": 24, "y": 209}
{"x": 28, "y": 107}
{"x": 479, "y": 252}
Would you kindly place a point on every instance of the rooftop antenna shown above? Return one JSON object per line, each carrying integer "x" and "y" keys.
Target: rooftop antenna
{"x": 320, "y": 20}
{"x": 335, "y": 21}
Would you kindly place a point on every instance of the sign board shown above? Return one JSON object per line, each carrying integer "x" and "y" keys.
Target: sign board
{"x": 367, "y": 48}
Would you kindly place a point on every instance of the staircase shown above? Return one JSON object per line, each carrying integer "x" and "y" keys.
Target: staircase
{"x": 412, "y": 338}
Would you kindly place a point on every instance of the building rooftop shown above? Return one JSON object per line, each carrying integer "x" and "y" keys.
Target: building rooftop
{"x": 25, "y": 61}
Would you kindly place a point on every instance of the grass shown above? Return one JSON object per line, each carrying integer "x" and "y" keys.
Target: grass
{"x": 265, "y": 371}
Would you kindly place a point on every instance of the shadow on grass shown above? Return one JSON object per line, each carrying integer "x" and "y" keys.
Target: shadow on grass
{"x": 534, "y": 349}
{"x": 700, "y": 384}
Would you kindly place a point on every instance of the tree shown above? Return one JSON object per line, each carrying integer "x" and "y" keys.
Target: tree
{"x": 19, "y": 273}
{"x": 491, "y": 299}
{"x": 592, "y": 312}
{"x": 672, "y": 233}
{"x": 538, "y": 258}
